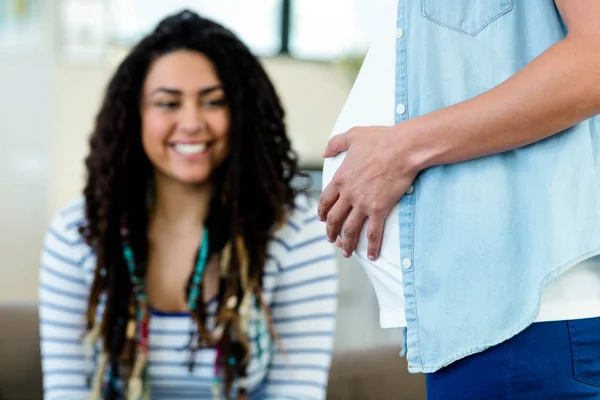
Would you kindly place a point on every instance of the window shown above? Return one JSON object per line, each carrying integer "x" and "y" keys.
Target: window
{"x": 256, "y": 22}
{"x": 83, "y": 30}
{"x": 305, "y": 29}
{"x": 325, "y": 30}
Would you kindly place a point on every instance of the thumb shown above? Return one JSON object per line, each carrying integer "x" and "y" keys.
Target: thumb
{"x": 337, "y": 144}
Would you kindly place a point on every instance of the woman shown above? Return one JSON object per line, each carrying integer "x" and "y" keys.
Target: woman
{"x": 193, "y": 265}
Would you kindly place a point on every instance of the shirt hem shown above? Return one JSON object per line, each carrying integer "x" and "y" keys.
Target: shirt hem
{"x": 531, "y": 319}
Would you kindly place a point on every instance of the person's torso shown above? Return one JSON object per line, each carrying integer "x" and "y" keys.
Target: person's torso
{"x": 478, "y": 239}
{"x": 172, "y": 335}
{"x": 298, "y": 260}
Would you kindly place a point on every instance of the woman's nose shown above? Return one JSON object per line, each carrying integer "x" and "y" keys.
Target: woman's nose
{"x": 191, "y": 121}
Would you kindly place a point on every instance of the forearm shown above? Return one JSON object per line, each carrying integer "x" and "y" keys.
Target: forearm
{"x": 555, "y": 91}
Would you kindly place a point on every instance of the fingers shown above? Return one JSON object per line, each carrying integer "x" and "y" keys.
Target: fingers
{"x": 352, "y": 228}
{"x": 337, "y": 144}
{"x": 342, "y": 217}
{"x": 335, "y": 219}
{"x": 328, "y": 198}
{"x": 338, "y": 243}
{"x": 351, "y": 231}
{"x": 375, "y": 237}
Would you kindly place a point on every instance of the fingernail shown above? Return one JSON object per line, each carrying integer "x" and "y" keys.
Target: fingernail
{"x": 330, "y": 240}
{"x": 371, "y": 257}
{"x": 345, "y": 253}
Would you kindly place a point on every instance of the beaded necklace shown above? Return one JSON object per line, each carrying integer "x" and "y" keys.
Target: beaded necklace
{"x": 138, "y": 326}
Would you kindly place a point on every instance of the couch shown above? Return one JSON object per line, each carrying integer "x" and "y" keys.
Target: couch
{"x": 370, "y": 374}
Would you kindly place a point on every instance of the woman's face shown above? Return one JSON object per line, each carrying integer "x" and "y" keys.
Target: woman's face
{"x": 185, "y": 119}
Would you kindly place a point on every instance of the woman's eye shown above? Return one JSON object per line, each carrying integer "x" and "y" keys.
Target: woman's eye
{"x": 215, "y": 103}
{"x": 167, "y": 104}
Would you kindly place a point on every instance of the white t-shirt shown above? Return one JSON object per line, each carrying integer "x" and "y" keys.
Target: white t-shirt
{"x": 574, "y": 295}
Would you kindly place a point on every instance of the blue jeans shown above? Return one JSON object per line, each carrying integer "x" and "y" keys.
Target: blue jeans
{"x": 548, "y": 360}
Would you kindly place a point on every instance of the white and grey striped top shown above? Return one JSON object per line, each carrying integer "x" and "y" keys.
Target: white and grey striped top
{"x": 300, "y": 286}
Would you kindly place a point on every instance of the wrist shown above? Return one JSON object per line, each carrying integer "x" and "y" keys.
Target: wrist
{"x": 410, "y": 146}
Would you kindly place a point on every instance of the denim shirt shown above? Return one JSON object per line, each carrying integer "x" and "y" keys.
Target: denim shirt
{"x": 479, "y": 240}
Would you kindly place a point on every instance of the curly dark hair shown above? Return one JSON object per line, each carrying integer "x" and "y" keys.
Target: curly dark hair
{"x": 252, "y": 197}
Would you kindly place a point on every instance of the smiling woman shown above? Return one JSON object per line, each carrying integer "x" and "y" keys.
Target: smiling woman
{"x": 185, "y": 117}
{"x": 193, "y": 264}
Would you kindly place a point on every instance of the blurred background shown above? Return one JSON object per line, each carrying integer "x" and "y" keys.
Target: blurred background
{"x": 56, "y": 57}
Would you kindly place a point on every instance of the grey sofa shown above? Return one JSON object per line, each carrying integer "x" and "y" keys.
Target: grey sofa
{"x": 373, "y": 374}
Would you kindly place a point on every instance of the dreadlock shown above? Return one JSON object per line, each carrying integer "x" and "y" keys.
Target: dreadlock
{"x": 260, "y": 167}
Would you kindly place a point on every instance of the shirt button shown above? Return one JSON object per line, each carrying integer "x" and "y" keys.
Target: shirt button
{"x": 400, "y": 33}
{"x": 410, "y": 189}
{"x": 400, "y": 109}
{"x": 406, "y": 263}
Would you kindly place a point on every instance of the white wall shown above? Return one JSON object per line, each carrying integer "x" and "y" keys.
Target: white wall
{"x": 25, "y": 132}
{"x": 77, "y": 95}
{"x": 313, "y": 95}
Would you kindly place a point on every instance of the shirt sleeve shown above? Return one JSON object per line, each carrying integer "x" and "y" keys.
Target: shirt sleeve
{"x": 63, "y": 296}
{"x": 304, "y": 313}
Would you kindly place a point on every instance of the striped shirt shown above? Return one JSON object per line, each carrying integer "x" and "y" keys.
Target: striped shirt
{"x": 300, "y": 286}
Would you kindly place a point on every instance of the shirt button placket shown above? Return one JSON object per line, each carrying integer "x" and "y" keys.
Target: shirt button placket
{"x": 407, "y": 202}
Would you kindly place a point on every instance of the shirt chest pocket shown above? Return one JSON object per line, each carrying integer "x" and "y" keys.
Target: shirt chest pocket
{"x": 465, "y": 16}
